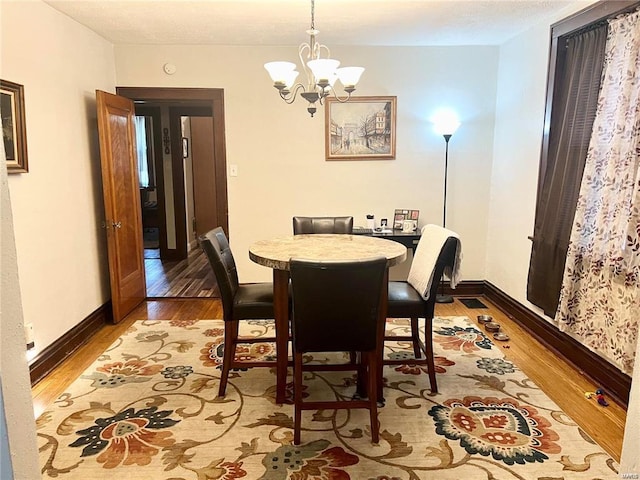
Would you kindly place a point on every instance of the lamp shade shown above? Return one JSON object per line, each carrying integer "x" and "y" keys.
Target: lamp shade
{"x": 349, "y": 76}
{"x": 290, "y": 78}
{"x": 323, "y": 69}
{"x": 445, "y": 122}
{"x": 280, "y": 71}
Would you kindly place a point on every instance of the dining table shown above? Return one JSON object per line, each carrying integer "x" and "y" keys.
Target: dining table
{"x": 276, "y": 253}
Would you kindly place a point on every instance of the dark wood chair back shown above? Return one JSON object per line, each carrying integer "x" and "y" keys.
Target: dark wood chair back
{"x": 336, "y": 304}
{"x": 336, "y": 308}
{"x": 310, "y": 225}
{"x": 216, "y": 247}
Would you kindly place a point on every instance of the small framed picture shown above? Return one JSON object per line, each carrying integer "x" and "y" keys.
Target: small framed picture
{"x": 14, "y": 133}
{"x": 400, "y": 215}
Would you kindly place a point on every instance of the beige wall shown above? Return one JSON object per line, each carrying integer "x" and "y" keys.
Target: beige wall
{"x": 54, "y": 275}
{"x": 279, "y": 149}
{"x": 57, "y": 206}
{"x": 518, "y": 136}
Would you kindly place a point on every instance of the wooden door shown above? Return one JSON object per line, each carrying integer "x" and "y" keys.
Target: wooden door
{"x": 121, "y": 202}
{"x": 204, "y": 174}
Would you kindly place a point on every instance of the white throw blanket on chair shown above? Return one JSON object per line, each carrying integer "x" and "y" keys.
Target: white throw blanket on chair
{"x": 424, "y": 261}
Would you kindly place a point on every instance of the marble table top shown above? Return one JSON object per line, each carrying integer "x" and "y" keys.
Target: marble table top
{"x": 276, "y": 252}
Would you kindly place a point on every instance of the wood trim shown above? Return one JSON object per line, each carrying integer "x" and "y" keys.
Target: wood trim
{"x": 55, "y": 353}
{"x": 616, "y": 383}
{"x": 592, "y": 14}
{"x": 179, "y": 192}
{"x": 465, "y": 288}
{"x": 177, "y": 169}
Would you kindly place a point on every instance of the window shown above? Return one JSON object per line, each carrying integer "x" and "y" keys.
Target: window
{"x": 575, "y": 68}
{"x": 144, "y": 146}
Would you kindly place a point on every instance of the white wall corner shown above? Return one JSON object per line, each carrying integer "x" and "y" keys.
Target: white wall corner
{"x": 14, "y": 371}
{"x": 630, "y": 460}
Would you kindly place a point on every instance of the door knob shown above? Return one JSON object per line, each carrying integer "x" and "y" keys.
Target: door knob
{"x": 116, "y": 224}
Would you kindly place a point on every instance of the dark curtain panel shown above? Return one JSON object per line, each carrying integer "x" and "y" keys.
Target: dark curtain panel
{"x": 573, "y": 111}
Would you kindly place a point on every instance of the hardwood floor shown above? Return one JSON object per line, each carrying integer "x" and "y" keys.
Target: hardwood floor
{"x": 188, "y": 278}
{"x": 564, "y": 384}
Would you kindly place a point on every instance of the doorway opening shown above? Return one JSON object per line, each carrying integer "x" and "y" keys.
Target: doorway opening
{"x": 182, "y": 172}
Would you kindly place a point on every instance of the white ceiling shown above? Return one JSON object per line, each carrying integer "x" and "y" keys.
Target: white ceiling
{"x": 284, "y": 22}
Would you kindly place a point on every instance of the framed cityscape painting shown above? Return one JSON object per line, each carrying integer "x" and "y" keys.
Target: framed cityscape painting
{"x": 364, "y": 128}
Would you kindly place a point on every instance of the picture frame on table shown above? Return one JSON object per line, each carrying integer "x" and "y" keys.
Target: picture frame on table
{"x": 363, "y": 128}
{"x": 400, "y": 215}
{"x": 14, "y": 132}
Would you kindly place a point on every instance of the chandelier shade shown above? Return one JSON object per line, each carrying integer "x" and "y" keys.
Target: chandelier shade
{"x": 322, "y": 73}
{"x": 279, "y": 71}
{"x": 349, "y": 76}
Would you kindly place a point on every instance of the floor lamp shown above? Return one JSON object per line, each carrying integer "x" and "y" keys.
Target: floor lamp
{"x": 446, "y": 123}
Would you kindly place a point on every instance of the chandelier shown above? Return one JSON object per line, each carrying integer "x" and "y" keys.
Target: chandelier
{"x": 322, "y": 73}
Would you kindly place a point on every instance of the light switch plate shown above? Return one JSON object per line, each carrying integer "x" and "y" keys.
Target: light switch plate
{"x": 233, "y": 170}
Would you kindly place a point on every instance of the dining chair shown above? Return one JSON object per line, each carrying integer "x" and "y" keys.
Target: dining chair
{"x": 439, "y": 250}
{"x": 302, "y": 225}
{"x": 246, "y": 301}
{"x": 336, "y": 309}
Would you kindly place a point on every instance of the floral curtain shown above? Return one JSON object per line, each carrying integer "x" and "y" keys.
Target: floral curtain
{"x": 600, "y": 295}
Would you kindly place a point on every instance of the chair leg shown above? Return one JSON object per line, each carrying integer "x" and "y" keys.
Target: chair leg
{"x": 297, "y": 396}
{"x": 372, "y": 360}
{"x": 362, "y": 380}
{"x": 230, "y": 340}
{"x": 428, "y": 343}
{"x": 415, "y": 334}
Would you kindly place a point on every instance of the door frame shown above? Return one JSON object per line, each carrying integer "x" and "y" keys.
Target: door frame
{"x": 177, "y": 167}
{"x": 212, "y": 98}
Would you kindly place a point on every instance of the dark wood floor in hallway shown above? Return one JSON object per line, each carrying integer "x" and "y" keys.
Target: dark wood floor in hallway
{"x": 188, "y": 278}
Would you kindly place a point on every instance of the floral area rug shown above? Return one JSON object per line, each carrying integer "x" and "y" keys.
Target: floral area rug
{"x": 148, "y": 409}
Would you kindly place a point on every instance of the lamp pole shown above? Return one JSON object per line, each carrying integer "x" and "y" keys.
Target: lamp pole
{"x": 441, "y": 297}
{"x": 447, "y": 137}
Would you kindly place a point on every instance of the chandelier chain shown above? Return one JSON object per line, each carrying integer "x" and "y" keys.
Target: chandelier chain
{"x": 313, "y": 8}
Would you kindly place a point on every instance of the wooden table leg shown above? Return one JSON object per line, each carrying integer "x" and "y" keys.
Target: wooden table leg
{"x": 281, "y": 313}
{"x": 384, "y": 303}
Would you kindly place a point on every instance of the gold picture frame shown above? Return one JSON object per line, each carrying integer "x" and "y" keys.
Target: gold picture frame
{"x": 14, "y": 132}
{"x": 364, "y": 128}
